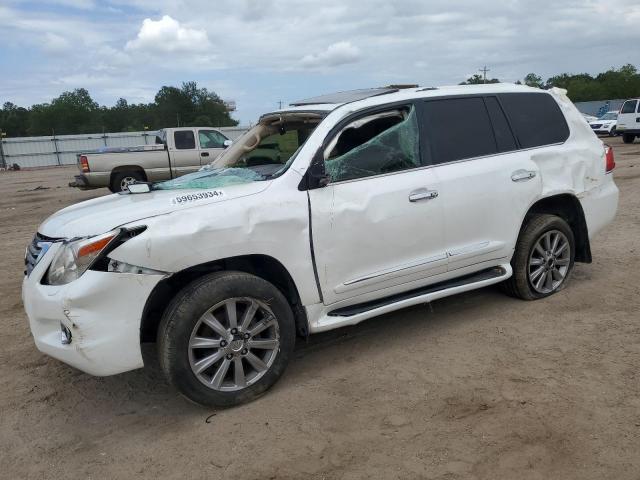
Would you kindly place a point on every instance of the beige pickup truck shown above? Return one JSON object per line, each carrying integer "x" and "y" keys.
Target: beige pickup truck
{"x": 176, "y": 151}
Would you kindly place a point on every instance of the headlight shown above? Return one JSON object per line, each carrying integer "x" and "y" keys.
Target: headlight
{"x": 74, "y": 257}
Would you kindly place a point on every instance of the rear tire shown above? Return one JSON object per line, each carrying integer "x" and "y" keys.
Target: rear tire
{"x": 628, "y": 138}
{"x": 543, "y": 259}
{"x": 121, "y": 180}
{"x": 226, "y": 338}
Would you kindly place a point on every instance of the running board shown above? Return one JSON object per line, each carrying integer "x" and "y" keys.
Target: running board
{"x": 354, "y": 314}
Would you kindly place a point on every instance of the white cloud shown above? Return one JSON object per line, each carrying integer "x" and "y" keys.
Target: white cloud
{"x": 167, "y": 35}
{"x": 340, "y": 53}
{"x": 55, "y": 43}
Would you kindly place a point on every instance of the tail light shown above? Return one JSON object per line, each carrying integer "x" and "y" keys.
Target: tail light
{"x": 84, "y": 163}
{"x": 610, "y": 161}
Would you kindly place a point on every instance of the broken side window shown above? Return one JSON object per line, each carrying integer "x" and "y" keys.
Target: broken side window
{"x": 382, "y": 143}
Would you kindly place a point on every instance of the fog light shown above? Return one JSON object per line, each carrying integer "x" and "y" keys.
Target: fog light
{"x": 65, "y": 335}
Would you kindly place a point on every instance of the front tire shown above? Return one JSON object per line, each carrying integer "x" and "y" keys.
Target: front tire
{"x": 628, "y": 138}
{"x": 543, "y": 259}
{"x": 226, "y": 338}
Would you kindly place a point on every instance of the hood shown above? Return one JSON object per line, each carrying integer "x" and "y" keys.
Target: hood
{"x": 100, "y": 215}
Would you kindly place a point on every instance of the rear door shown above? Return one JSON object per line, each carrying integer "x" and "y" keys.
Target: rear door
{"x": 629, "y": 117}
{"x": 184, "y": 153}
{"x": 486, "y": 183}
{"x": 211, "y": 143}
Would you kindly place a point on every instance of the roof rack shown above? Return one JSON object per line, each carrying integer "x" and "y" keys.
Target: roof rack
{"x": 349, "y": 96}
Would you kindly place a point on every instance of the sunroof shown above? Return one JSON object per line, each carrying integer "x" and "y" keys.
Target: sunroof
{"x": 345, "y": 97}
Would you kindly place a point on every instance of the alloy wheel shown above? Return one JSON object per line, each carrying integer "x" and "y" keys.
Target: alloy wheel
{"x": 234, "y": 344}
{"x": 549, "y": 262}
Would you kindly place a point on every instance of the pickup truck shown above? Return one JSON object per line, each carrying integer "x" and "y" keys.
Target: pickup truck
{"x": 176, "y": 151}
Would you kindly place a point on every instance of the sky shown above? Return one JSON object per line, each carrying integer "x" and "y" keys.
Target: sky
{"x": 260, "y": 52}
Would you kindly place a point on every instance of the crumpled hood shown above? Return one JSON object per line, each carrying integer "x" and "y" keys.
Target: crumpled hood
{"x": 100, "y": 215}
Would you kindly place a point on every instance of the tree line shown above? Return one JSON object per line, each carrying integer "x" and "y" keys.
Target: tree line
{"x": 623, "y": 82}
{"x": 76, "y": 112}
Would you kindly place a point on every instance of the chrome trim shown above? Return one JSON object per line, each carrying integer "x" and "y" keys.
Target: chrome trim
{"x": 469, "y": 249}
{"x": 406, "y": 266}
{"x": 522, "y": 175}
{"x": 422, "y": 194}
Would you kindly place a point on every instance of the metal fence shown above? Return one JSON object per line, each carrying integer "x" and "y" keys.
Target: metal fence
{"x": 62, "y": 149}
{"x": 599, "y": 107}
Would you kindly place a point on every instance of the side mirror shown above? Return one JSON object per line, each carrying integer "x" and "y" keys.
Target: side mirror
{"x": 227, "y": 143}
{"x": 139, "y": 187}
{"x": 316, "y": 177}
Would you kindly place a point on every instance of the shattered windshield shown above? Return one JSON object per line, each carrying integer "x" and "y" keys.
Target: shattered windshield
{"x": 262, "y": 153}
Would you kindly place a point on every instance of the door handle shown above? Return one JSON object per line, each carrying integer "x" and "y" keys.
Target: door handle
{"x": 522, "y": 175}
{"x": 422, "y": 194}
{"x": 204, "y": 154}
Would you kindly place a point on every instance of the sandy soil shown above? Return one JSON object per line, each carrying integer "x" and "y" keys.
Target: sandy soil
{"x": 474, "y": 386}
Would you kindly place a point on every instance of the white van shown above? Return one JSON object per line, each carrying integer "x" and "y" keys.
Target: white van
{"x": 629, "y": 120}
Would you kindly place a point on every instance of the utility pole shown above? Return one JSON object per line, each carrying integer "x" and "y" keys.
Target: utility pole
{"x": 280, "y": 104}
{"x": 484, "y": 71}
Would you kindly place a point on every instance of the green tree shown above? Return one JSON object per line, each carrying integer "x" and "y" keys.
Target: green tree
{"x": 533, "y": 80}
{"x": 478, "y": 80}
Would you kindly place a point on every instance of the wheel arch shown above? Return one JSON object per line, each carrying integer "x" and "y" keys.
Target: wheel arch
{"x": 127, "y": 168}
{"x": 568, "y": 207}
{"x": 263, "y": 266}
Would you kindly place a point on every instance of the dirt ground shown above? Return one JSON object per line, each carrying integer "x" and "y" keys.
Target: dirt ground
{"x": 474, "y": 386}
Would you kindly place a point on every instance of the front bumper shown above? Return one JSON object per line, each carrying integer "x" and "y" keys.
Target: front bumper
{"x": 102, "y": 310}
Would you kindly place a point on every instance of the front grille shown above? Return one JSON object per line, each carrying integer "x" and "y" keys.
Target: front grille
{"x": 36, "y": 249}
{"x": 596, "y": 125}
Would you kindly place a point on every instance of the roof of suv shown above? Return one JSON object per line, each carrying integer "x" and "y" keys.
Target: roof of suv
{"x": 377, "y": 96}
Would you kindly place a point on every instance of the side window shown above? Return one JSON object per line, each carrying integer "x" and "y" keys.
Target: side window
{"x": 504, "y": 136}
{"x": 458, "y": 128}
{"x": 184, "y": 139}
{"x": 211, "y": 139}
{"x": 536, "y": 118}
{"x": 629, "y": 106}
{"x": 380, "y": 143}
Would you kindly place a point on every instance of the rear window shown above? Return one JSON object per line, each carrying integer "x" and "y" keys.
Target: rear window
{"x": 536, "y": 118}
{"x": 629, "y": 106}
{"x": 184, "y": 139}
{"x": 458, "y": 128}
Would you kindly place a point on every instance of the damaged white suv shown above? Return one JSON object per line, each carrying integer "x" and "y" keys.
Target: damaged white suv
{"x": 376, "y": 200}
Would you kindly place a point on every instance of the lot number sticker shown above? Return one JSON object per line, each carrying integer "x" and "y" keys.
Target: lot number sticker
{"x": 196, "y": 197}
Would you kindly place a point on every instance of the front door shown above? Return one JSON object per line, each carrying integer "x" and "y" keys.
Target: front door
{"x": 377, "y": 226}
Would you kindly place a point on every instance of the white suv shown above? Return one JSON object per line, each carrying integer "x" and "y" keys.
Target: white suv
{"x": 629, "y": 120}
{"x": 381, "y": 199}
{"x": 605, "y": 124}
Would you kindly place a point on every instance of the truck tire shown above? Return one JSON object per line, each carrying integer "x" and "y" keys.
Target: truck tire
{"x": 628, "y": 138}
{"x": 121, "y": 180}
{"x": 543, "y": 259}
{"x": 226, "y": 338}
